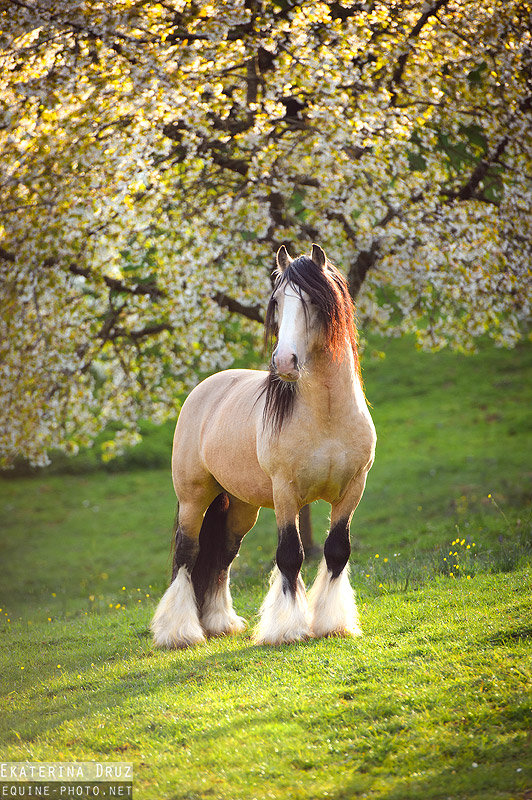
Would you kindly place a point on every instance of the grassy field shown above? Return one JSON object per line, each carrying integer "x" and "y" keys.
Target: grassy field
{"x": 432, "y": 702}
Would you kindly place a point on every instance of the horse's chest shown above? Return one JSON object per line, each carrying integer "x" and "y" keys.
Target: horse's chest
{"x": 324, "y": 472}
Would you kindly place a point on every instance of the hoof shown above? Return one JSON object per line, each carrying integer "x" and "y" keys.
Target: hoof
{"x": 332, "y": 604}
{"x": 218, "y": 617}
{"x": 340, "y": 633}
{"x": 288, "y": 637}
{"x": 177, "y": 641}
{"x": 283, "y": 616}
{"x": 225, "y": 627}
{"x": 175, "y": 623}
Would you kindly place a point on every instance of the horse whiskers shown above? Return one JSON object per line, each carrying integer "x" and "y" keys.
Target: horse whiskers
{"x": 291, "y": 385}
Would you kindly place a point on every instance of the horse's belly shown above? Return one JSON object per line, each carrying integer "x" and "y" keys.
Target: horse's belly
{"x": 243, "y": 479}
{"x": 229, "y": 452}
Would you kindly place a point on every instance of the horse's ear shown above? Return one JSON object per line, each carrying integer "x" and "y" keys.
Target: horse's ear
{"x": 318, "y": 256}
{"x": 283, "y": 259}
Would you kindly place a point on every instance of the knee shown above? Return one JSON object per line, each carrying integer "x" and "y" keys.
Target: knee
{"x": 337, "y": 548}
{"x": 289, "y": 555}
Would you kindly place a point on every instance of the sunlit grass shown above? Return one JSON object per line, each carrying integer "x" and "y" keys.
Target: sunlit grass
{"x": 438, "y": 683}
{"x": 433, "y": 701}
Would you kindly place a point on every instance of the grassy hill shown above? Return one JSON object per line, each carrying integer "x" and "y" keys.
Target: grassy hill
{"x": 433, "y": 701}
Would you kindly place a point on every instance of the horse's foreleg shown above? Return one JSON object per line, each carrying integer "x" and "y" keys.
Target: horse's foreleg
{"x": 332, "y": 603}
{"x": 176, "y": 621}
{"x": 218, "y": 616}
{"x": 284, "y": 612}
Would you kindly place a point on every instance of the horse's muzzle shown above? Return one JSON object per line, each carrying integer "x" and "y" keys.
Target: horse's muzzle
{"x": 289, "y": 377}
{"x": 286, "y": 366}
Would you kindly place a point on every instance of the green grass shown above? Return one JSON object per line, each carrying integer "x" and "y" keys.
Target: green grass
{"x": 439, "y": 683}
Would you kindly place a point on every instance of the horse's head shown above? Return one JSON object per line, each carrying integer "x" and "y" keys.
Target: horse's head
{"x": 292, "y": 314}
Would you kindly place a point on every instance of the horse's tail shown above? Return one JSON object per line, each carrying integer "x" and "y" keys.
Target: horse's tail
{"x": 212, "y": 545}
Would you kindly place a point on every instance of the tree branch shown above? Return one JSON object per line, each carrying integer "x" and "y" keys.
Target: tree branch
{"x": 397, "y": 76}
{"x": 235, "y": 307}
{"x": 119, "y": 286}
{"x": 149, "y": 330}
{"x": 348, "y": 228}
{"x": 7, "y": 256}
{"x": 480, "y": 171}
{"x": 108, "y": 324}
{"x": 467, "y": 190}
{"x": 280, "y": 217}
{"x": 360, "y": 267}
{"x": 214, "y": 148}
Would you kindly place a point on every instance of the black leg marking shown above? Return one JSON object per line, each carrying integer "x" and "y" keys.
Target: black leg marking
{"x": 185, "y": 552}
{"x": 216, "y": 549}
{"x": 289, "y": 557}
{"x": 337, "y": 548}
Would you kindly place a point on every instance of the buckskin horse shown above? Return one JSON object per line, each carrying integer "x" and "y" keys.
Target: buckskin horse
{"x": 279, "y": 439}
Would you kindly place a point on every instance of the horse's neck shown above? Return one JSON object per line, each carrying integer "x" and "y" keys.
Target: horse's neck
{"x": 331, "y": 388}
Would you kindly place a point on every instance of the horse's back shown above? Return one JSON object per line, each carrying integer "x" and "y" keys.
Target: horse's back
{"x": 216, "y": 436}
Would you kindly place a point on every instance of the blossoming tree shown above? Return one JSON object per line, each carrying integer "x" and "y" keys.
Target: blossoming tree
{"x": 155, "y": 154}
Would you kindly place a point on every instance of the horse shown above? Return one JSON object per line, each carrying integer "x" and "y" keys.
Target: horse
{"x": 247, "y": 439}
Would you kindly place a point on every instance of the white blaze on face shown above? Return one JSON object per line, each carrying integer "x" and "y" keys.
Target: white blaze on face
{"x": 291, "y": 348}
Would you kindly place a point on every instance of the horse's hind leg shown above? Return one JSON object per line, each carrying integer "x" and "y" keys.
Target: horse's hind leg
{"x": 284, "y": 613}
{"x": 332, "y": 601}
{"x": 176, "y": 621}
{"x": 226, "y": 522}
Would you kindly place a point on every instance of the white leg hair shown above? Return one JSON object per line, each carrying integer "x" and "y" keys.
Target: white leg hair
{"x": 176, "y": 621}
{"x": 332, "y": 604}
{"x": 283, "y": 616}
{"x": 218, "y": 615}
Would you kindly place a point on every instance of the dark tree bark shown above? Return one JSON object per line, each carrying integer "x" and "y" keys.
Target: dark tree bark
{"x": 305, "y": 531}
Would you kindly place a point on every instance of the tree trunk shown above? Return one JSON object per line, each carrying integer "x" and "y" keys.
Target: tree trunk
{"x": 305, "y": 531}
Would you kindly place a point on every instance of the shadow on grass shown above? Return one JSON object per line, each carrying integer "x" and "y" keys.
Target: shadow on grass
{"x": 80, "y": 674}
{"x": 497, "y": 774}
{"x": 231, "y": 697}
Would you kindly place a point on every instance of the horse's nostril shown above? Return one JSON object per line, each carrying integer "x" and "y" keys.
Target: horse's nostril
{"x": 285, "y": 363}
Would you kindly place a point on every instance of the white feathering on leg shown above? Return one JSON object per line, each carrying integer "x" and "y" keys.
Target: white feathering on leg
{"x": 332, "y": 605}
{"x": 283, "y": 616}
{"x": 218, "y": 616}
{"x": 176, "y": 621}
